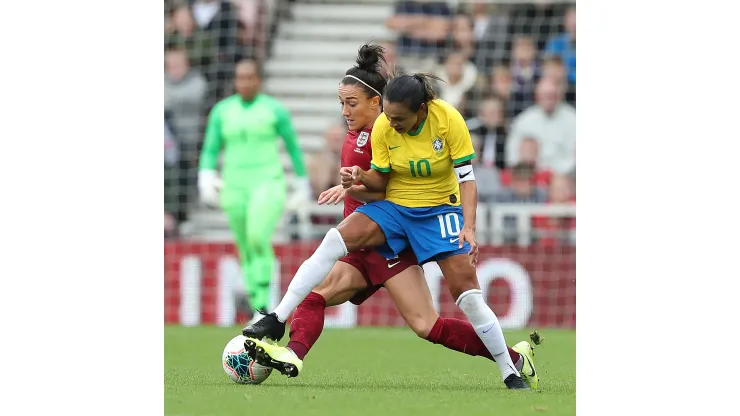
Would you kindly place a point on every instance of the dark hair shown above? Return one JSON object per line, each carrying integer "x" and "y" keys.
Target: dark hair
{"x": 523, "y": 170}
{"x": 411, "y": 90}
{"x": 367, "y": 68}
{"x": 250, "y": 61}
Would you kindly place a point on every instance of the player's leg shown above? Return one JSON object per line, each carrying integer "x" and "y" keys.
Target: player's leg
{"x": 433, "y": 234}
{"x": 234, "y": 205}
{"x": 357, "y": 231}
{"x": 463, "y": 285}
{"x": 264, "y": 210}
{"x": 340, "y": 285}
{"x": 411, "y": 295}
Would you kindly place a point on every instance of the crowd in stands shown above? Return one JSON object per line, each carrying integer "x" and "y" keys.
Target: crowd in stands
{"x": 203, "y": 40}
{"x": 510, "y": 69}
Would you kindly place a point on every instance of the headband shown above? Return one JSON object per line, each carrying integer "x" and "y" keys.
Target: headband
{"x": 363, "y": 83}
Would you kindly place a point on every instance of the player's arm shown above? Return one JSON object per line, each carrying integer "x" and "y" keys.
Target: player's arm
{"x": 212, "y": 142}
{"x": 208, "y": 182}
{"x": 462, "y": 153}
{"x": 376, "y": 179}
{"x": 361, "y": 193}
{"x": 286, "y": 130}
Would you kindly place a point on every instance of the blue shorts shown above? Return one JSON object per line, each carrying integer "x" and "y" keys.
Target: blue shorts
{"x": 431, "y": 232}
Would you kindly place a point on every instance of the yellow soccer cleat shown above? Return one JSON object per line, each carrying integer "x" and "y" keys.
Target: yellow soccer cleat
{"x": 527, "y": 352}
{"x": 274, "y": 356}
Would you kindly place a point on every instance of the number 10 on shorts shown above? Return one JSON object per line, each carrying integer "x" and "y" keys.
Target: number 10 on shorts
{"x": 449, "y": 224}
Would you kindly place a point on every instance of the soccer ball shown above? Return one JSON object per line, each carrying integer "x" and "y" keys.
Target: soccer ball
{"x": 239, "y": 366}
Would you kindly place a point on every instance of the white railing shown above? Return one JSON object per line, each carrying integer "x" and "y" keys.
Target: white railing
{"x": 490, "y": 220}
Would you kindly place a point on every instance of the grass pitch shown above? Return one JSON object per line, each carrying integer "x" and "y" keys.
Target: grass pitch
{"x": 366, "y": 371}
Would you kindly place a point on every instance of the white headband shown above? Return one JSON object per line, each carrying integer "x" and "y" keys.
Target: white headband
{"x": 363, "y": 83}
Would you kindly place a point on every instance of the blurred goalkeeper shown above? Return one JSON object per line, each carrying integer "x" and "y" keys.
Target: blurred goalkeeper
{"x": 252, "y": 186}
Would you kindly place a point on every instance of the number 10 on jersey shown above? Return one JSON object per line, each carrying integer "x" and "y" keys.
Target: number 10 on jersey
{"x": 449, "y": 224}
{"x": 421, "y": 168}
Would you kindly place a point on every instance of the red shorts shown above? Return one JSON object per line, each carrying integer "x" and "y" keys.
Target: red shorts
{"x": 376, "y": 269}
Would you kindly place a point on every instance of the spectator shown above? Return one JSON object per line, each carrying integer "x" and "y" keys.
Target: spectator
{"x": 502, "y": 86}
{"x": 184, "y": 92}
{"x": 459, "y": 75}
{"x": 552, "y": 67}
{"x": 184, "y": 101}
{"x": 186, "y": 35}
{"x": 324, "y": 167}
{"x": 524, "y": 71}
{"x": 171, "y": 188}
{"x": 391, "y": 59}
{"x": 252, "y": 33}
{"x": 556, "y": 230}
{"x": 540, "y": 20}
{"x": 553, "y": 123}
{"x": 490, "y": 33}
{"x": 220, "y": 19}
{"x": 529, "y": 151}
{"x": 486, "y": 177}
{"x": 423, "y": 27}
{"x": 521, "y": 190}
{"x": 564, "y": 45}
{"x": 490, "y": 130}
{"x": 462, "y": 37}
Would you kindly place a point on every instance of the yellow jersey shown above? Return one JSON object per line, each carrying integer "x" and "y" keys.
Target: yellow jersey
{"x": 421, "y": 163}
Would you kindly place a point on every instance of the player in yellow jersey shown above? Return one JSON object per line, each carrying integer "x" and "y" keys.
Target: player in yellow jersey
{"x": 422, "y": 155}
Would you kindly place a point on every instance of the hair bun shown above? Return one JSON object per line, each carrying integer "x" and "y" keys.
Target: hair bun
{"x": 369, "y": 57}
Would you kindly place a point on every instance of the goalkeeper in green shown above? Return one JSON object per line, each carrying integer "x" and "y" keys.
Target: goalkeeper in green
{"x": 252, "y": 187}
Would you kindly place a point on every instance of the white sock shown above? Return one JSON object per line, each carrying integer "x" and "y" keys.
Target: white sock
{"x": 312, "y": 272}
{"x": 487, "y": 327}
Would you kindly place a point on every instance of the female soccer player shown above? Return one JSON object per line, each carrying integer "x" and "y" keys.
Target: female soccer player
{"x": 253, "y": 194}
{"x": 421, "y": 152}
{"x": 359, "y": 275}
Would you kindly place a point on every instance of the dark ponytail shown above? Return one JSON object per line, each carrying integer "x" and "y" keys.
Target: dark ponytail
{"x": 411, "y": 90}
{"x": 368, "y": 69}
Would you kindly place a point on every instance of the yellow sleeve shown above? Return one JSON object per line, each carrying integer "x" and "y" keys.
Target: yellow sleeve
{"x": 381, "y": 158}
{"x": 458, "y": 138}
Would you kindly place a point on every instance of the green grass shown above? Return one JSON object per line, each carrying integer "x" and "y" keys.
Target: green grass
{"x": 368, "y": 371}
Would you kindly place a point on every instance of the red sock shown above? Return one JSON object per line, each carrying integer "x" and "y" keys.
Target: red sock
{"x": 459, "y": 335}
{"x": 307, "y": 324}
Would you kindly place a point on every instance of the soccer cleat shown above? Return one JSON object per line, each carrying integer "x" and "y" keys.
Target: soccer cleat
{"x": 267, "y": 327}
{"x": 526, "y": 350}
{"x": 513, "y": 382}
{"x": 274, "y": 356}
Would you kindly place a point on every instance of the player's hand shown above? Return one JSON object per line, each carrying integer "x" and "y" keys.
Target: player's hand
{"x": 468, "y": 234}
{"x": 300, "y": 196}
{"x": 350, "y": 175}
{"x": 333, "y": 195}
{"x": 209, "y": 188}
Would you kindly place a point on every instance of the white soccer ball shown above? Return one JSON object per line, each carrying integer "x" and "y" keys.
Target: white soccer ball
{"x": 239, "y": 366}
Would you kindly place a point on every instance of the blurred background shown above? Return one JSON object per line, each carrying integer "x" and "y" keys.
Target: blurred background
{"x": 510, "y": 69}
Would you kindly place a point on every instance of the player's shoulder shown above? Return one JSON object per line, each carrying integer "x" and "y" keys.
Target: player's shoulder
{"x": 272, "y": 102}
{"x": 226, "y": 102}
{"x": 444, "y": 112}
{"x": 381, "y": 126}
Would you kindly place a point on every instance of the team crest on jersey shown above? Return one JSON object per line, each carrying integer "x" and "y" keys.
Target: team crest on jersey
{"x": 437, "y": 145}
{"x": 362, "y": 139}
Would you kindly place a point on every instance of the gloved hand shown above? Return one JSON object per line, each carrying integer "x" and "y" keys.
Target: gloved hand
{"x": 300, "y": 197}
{"x": 209, "y": 187}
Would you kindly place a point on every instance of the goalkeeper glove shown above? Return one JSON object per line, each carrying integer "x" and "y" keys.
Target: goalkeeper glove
{"x": 209, "y": 187}
{"x": 301, "y": 195}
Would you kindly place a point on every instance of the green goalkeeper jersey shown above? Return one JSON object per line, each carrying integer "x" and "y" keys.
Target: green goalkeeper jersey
{"x": 248, "y": 132}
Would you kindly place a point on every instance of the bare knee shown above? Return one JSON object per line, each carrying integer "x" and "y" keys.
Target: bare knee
{"x": 359, "y": 231}
{"x": 459, "y": 274}
{"x": 422, "y": 324}
{"x": 339, "y": 287}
